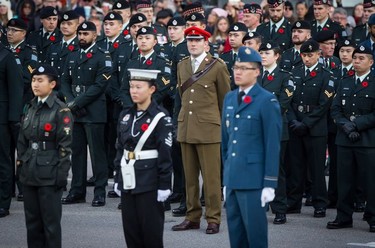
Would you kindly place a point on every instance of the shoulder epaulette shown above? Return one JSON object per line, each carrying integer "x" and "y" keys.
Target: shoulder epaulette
{"x": 184, "y": 58}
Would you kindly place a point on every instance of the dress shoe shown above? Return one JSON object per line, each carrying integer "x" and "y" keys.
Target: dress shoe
{"x": 112, "y": 194}
{"x": 372, "y": 228}
{"x": 20, "y": 197}
{"x": 175, "y": 197}
{"x": 293, "y": 211}
{"x": 279, "y": 219}
{"x": 336, "y": 224}
{"x": 119, "y": 206}
{"x": 319, "y": 213}
{"x": 90, "y": 182}
{"x": 360, "y": 207}
{"x": 180, "y": 211}
{"x": 212, "y": 228}
{"x": 308, "y": 202}
{"x": 3, "y": 212}
{"x": 186, "y": 225}
{"x": 72, "y": 199}
{"x": 99, "y": 201}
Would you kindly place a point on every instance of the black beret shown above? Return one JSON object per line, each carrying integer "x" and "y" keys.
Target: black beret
{"x": 237, "y": 26}
{"x": 268, "y": 46}
{"x": 146, "y": 30}
{"x": 137, "y": 18}
{"x": 321, "y": 2}
{"x": 113, "y": 16}
{"x": 362, "y": 49}
{"x": 47, "y": 12}
{"x": 324, "y": 35}
{"x": 86, "y": 26}
{"x": 121, "y": 4}
{"x": 195, "y": 17}
{"x": 251, "y": 35}
{"x": 252, "y": 8}
{"x": 143, "y": 4}
{"x": 176, "y": 21}
{"x": 371, "y": 20}
{"x": 368, "y": 3}
{"x": 46, "y": 69}
{"x": 192, "y": 8}
{"x": 274, "y": 3}
{"x": 289, "y": 4}
{"x": 17, "y": 23}
{"x": 164, "y": 13}
{"x": 309, "y": 46}
{"x": 70, "y": 15}
{"x": 301, "y": 25}
{"x": 346, "y": 43}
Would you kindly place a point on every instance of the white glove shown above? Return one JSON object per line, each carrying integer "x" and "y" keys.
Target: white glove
{"x": 268, "y": 194}
{"x": 118, "y": 192}
{"x": 163, "y": 194}
{"x": 225, "y": 193}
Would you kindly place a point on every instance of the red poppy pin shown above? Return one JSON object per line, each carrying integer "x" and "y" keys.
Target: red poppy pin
{"x": 364, "y": 84}
{"x": 313, "y": 73}
{"x": 325, "y": 28}
{"x": 247, "y": 99}
{"x": 66, "y": 119}
{"x": 281, "y": 31}
{"x": 350, "y": 72}
{"x": 155, "y": 31}
{"x": 333, "y": 65}
{"x": 89, "y": 55}
{"x": 115, "y": 45}
{"x": 270, "y": 77}
{"x": 71, "y": 48}
{"x": 144, "y": 127}
{"x": 126, "y": 32}
{"x": 18, "y": 50}
{"x": 149, "y": 62}
{"x": 47, "y": 127}
{"x": 52, "y": 38}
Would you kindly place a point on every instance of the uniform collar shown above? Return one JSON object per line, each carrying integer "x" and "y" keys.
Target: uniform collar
{"x": 68, "y": 41}
{"x": 363, "y": 76}
{"x": 271, "y": 69}
{"x": 312, "y": 67}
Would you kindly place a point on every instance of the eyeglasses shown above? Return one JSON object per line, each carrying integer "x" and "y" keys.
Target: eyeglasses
{"x": 13, "y": 30}
{"x": 242, "y": 68}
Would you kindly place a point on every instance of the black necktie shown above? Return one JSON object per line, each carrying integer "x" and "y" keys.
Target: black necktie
{"x": 344, "y": 71}
{"x": 358, "y": 81}
{"x": 109, "y": 44}
{"x": 239, "y": 97}
{"x": 296, "y": 55}
{"x": 45, "y": 36}
{"x": 234, "y": 57}
{"x": 266, "y": 73}
{"x": 307, "y": 72}
{"x": 326, "y": 64}
{"x": 319, "y": 28}
{"x": 64, "y": 45}
{"x": 40, "y": 103}
{"x": 273, "y": 31}
{"x": 143, "y": 59}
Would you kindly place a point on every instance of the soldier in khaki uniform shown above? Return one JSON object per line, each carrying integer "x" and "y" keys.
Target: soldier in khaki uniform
{"x": 202, "y": 83}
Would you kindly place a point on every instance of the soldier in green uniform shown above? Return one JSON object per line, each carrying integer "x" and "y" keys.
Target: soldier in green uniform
{"x": 280, "y": 83}
{"x": 83, "y": 84}
{"x": 11, "y": 92}
{"x": 353, "y": 111}
{"x": 44, "y": 158}
{"x": 58, "y": 52}
{"x": 47, "y": 35}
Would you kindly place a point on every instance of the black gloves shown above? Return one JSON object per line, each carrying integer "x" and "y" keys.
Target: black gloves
{"x": 354, "y": 136}
{"x": 76, "y": 111}
{"x": 298, "y": 127}
{"x": 349, "y": 127}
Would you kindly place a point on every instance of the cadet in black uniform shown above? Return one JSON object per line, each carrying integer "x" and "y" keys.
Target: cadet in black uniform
{"x": 280, "y": 83}
{"x": 83, "y": 84}
{"x": 291, "y": 58}
{"x": 353, "y": 111}
{"x": 11, "y": 91}
{"x": 44, "y": 157}
{"x": 122, "y": 7}
{"x": 136, "y": 22}
{"x": 143, "y": 163}
{"x": 253, "y": 40}
{"x": 361, "y": 32}
{"x": 308, "y": 129}
{"x": 327, "y": 44}
{"x": 278, "y": 29}
{"x": 58, "y": 52}
{"x": 236, "y": 33}
{"x": 47, "y": 35}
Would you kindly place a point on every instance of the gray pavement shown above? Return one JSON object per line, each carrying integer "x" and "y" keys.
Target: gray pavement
{"x": 85, "y": 226}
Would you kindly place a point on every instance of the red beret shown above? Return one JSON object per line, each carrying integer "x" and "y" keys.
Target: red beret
{"x": 197, "y": 33}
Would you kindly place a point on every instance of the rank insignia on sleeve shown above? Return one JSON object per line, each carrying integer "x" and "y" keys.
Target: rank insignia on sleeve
{"x": 67, "y": 130}
{"x": 106, "y": 77}
{"x": 288, "y": 93}
{"x": 168, "y": 141}
{"x": 329, "y": 95}
{"x": 165, "y": 81}
{"x": 30, "y": 69}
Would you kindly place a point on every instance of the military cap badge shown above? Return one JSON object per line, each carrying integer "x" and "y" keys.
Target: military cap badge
{"x": 193, "y": 17}
{"x": 174, "y": 22}
{"x": 84, "y": 26}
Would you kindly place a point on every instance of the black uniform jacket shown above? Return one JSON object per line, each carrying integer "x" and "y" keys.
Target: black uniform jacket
{"x": 151, "y": 174}
{"x": 283, "y": 35}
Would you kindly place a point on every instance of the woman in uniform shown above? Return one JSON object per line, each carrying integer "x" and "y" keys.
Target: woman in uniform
{"x": 44, "y": 159}
{"x": 143, "y": 163}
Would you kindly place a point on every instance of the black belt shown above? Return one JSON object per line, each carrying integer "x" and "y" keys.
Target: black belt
{"x": 303, "y": 108}
{"x": 42, "y": 145}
